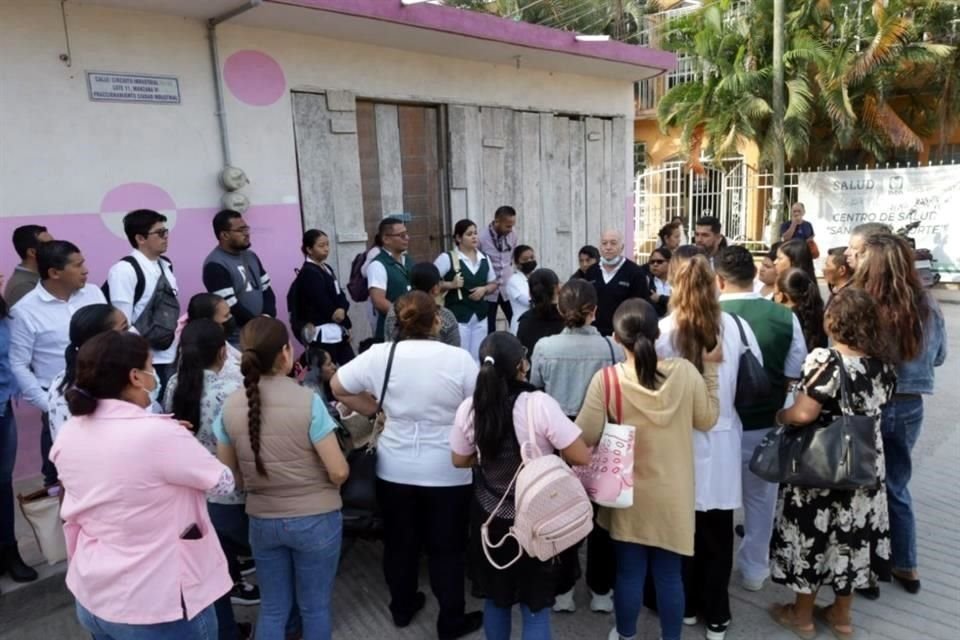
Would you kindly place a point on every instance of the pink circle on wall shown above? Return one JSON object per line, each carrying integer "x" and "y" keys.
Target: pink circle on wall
{"x": 136, "y": 195}
{"x": 125, "y": 198}
{"x": 254, "y": 78}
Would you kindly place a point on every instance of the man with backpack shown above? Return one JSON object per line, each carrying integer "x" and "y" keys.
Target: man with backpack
{"x": 782, "y": 346}
{"x": 143, "y": 287}
{"x": 388, "y": 276}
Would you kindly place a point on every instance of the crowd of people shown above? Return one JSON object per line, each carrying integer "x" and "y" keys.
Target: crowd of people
{"x": 192, "y": 449}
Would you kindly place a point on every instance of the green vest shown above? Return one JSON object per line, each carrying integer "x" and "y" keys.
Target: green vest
{"x": 398, "y": 283}
{"x": 772, "y": 323}
{"x": 461, "y": 305}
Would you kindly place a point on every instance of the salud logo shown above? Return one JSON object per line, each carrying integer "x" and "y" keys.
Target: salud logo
{"x": 895, "y": 184}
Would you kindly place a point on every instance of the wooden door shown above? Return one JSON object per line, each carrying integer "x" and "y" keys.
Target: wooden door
{"x": 400, "y": 172}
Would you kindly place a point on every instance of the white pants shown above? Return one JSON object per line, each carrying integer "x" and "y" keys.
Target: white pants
{"x": 472, "y": 334}
{"x": 759, "y": 507}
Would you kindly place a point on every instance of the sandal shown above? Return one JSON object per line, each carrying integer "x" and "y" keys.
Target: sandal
{"x": 823, "y": 615}
{"x": 782, "y": 614}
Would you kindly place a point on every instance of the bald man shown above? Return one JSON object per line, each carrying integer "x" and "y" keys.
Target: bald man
{"x": 616, "y": 279}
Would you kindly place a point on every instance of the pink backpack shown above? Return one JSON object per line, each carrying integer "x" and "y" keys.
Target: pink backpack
{"x": 552, "y": 507}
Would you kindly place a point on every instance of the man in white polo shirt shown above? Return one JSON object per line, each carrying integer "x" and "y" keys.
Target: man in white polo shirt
{"x": 143, "y": 287}
{"x": 40, "y": 329}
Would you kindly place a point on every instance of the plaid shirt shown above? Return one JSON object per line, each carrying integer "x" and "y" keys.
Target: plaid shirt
{"x": 499, "y": 250}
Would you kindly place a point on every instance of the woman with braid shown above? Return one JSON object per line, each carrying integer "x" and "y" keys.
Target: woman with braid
{"x": 281, "y": 438}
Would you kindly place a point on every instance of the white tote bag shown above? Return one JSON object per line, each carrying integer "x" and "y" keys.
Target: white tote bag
{"x": 42, "y": 513}
{"x": 608, "y": 478}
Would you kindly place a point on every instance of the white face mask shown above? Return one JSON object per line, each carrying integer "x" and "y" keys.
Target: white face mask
{"x": 611, "y": 262}
{"x": 155, "y": 392}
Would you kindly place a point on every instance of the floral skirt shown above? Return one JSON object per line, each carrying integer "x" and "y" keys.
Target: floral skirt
{"x": 830, "y": 537}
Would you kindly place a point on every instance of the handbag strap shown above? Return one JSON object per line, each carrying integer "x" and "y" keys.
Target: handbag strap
{"x": 386, "y": 377}
{"x": 844, "y": 382}
{"x": 613, "y": 356}
{"x": 612, "y": 381}
{"x": 743, "y": 334}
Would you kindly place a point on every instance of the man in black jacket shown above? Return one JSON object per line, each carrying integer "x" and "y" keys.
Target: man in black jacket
{"x": 616, "y": 279}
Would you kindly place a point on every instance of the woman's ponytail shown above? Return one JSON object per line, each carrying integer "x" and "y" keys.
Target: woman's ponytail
{"x": 635, "y": 324}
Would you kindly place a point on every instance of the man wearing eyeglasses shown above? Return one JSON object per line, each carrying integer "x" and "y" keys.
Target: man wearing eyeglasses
{"x": 143, "y": 287}
{"x": 235, "y": 273}
{"x": 388, "y": 276}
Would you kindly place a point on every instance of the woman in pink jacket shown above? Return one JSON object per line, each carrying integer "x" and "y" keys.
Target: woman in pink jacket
{"x": 144, "y": 561}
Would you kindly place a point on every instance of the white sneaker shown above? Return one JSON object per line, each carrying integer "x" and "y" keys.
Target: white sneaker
{"x": 690, "y": 621}
{"x": 616, "y": 636}
{"x": 752, "y": 585}
{"x": 564, "y": 603}
{"x": 601, "y": 603}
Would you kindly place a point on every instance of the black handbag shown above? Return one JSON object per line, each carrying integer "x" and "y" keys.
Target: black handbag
{"x": 753, "y": 381}
{"x": 838, "y": 455}
{"x": 360, "y": 511}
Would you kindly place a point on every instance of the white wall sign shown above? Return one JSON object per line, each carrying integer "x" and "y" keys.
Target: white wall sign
{"x": 133, "y": 87}
{"x": 837, "y": 201}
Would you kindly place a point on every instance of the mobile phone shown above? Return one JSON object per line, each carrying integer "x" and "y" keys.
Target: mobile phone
{"x": 191, "y": 533}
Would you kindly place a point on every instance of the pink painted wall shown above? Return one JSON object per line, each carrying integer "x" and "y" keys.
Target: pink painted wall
{"x": 276, "y": 231}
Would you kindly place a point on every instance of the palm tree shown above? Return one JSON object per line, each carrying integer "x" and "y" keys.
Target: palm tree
{"x": 853, "y": 73}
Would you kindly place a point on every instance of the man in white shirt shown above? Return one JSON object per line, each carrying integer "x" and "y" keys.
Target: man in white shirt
{"x": 132, "y": 284}
{"x": 40, "y": 329}
{"x": 783, "y": 351}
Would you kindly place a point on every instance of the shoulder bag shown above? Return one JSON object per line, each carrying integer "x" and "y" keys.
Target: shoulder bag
{"x": 361, "y": 513}
{"x": 839, "y": 455}
{"x": 753, "y": 381}
{"x": 608, "y": 479}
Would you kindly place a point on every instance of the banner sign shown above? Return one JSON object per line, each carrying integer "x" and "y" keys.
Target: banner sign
{"x": 130, "y": 87}
{"x": 838, "y": 201}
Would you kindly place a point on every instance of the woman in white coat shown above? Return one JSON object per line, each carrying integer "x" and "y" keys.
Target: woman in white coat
{"x": 518, "y": 289}
{"x": 695, "y": 324}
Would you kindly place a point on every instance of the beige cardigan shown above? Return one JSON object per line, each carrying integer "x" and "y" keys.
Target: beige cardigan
{"x": 662, "y": 514}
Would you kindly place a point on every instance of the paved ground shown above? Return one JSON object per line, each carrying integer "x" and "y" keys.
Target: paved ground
{"x": 44, "y": 610}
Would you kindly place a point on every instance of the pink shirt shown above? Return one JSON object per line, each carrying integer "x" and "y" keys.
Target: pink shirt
{"x": 135, "y": 481}
{"x": 552, "y": 429}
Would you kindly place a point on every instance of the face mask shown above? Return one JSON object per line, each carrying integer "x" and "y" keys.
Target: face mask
{"x": 229, "y": 327}
{"x": 528, "y": 267}
{"x": 611, "y": 262}
{"x": 155, "y": 392}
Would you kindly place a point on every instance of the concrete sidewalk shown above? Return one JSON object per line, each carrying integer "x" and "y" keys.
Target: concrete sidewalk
{"x": 44, "y": 610}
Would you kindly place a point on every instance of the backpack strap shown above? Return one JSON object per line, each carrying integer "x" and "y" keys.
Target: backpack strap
{"x": 455, "y": 267}
{"x": 141, "y": 280}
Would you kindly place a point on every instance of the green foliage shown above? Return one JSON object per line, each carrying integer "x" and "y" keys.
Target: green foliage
{"x": 869, "y": 75}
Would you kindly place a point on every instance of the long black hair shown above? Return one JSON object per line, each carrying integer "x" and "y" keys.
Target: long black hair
{"x": 798, "y": 252}
{"x": 543, "y": 289}
{"x": 87, "y": 322}
{"x": 636, "y": 328}
{"x": 497, "y": 388}
{"x": 200, "y": 345}
{"x": 803, "y": 292}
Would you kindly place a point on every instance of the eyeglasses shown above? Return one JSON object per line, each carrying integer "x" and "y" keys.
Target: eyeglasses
{"x": 244, "y": 229}
{"x": 160, "y": 233}
{"x": 658, "y": 262}
{"x": 403, "y": 234}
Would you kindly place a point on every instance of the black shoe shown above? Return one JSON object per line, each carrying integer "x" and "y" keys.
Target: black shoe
{"x": 245, "y": 630}
{"x": 870, "y": 593}
{"x": 12, "y": 564}
{"x": 471, "y": 622}
{"x": 244, "y": 594}
{"x": 247, "y": 566}
{"x": 739, "y": 530}
{"x": 911, "y": 585}
{"x": 401, "y": 621}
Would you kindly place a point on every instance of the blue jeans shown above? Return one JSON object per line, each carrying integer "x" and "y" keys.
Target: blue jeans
{"x": 900, "y": 426}
{"x": 8, "y": 457}
{"x": 296, "y": 558}
{"x": 666, "y": 567}
{"x": 202, "y": 627}
{"x": 496, "y": 622}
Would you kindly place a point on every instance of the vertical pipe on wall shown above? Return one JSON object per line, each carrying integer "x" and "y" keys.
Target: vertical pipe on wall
{"x": 217, "y": 76}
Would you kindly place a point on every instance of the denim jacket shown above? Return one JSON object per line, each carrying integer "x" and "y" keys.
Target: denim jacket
{"x": 564, "y": 364}
{"x": 8, "y": 384}
{"x": 916, "y": 376}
